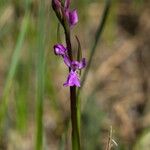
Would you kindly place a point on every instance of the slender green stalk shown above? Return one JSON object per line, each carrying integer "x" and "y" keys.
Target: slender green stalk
{"x": 93, "y": 50}
{"x": 74, "y": 120}
{"x": 97, "y": 37}
{"x": 40, "y": 77}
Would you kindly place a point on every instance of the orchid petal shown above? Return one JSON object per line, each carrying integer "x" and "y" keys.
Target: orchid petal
{"x": 78, "y": 65}
{"x": 82, "y": 63}
{"x": 67, "y": 60}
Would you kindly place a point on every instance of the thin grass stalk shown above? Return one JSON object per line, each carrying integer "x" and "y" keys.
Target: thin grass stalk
{"x": 92, "y": 52}
{"x": 95, "y": 43}
{"x": 40, "y": 77}
{"x": 109, "y": 141}
{"x": 13, "y": 66}
{"x": 21, "y": 105}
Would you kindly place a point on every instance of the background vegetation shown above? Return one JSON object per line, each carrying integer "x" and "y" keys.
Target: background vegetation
{"x": 116, "y": 92}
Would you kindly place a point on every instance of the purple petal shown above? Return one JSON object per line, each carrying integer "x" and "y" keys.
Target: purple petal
{"x": 73, "y": 17}
{"x": 82, "y": 63}
{"x": 67, "y": 3}
{"x": 67, "y": 60}
{"x": 59, "y": 49}
{"x": 72, "y": 80}
{"x": 78, "y": 65}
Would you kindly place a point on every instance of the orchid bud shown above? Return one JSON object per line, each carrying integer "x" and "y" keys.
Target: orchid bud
{"x": 73, "y": 17}
{"x": 56, "y": 5}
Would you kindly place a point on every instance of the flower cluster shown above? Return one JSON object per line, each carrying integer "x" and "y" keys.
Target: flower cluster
{"x": 64, "y": 13}
{"x": 73, "y": 77}
{"x": 68, "y": 18}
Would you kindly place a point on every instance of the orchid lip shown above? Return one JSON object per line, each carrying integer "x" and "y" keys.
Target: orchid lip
{"x": 72, "y": 79}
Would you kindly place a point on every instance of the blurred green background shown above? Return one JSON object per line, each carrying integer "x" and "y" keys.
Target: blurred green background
{"x": 116, "y": 92}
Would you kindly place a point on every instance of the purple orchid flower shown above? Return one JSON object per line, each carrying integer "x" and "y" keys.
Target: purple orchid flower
{"x": 73, "y": 78}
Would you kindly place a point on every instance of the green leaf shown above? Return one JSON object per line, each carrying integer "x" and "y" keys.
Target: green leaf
{"x": 13, "y": 66}
{"x": 79, "y": 53}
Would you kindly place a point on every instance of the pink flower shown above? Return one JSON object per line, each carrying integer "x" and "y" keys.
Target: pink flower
{"x": 73, "y": 77}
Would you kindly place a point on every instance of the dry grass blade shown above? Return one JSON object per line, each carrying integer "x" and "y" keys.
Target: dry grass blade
{"x": 110, "y": 141}
{"x": 6, "y": 16}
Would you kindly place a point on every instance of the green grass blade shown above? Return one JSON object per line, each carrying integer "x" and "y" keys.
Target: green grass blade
{"x": 16, "y": 54}
{"x": 13, "y": 66}
{"x": 97, "y": 37}
{"x": 40, "y": 77}
{"x": 22, "y": 83}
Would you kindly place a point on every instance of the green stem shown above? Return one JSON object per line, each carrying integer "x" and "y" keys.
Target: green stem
{"x": 74, "y": 120}
{"x": 97, "y": 37}
{"x": 40, "y": 77}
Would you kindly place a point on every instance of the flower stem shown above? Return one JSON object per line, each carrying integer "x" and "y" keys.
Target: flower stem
{"x": 74, "y": 120}
{"x": 73, "y": 101}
